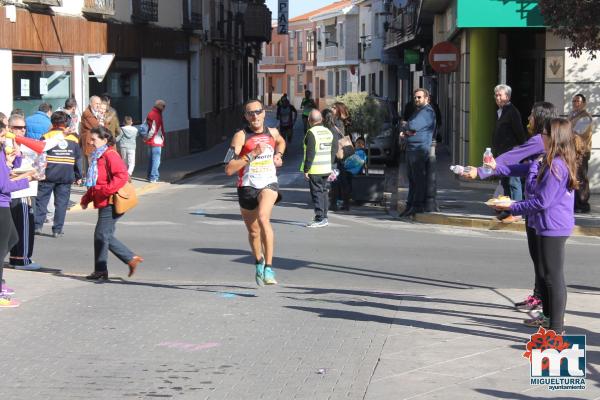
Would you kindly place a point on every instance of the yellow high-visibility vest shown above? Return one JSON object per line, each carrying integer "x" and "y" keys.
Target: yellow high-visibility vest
{"x": 323, "y": 140}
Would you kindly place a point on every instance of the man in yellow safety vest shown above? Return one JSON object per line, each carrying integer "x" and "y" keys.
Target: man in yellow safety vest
{"x": 320, "y": 146}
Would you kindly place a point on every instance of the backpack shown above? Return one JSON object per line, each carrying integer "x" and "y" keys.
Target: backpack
{"x": 145, "y": 131}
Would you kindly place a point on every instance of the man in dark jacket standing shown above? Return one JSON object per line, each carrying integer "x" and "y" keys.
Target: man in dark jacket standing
{"x": 509, "y": 132}
{"x": 419, "y": 134}
{"x": 63, "y": 168}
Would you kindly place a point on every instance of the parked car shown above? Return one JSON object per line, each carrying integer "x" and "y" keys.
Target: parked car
{"x": 384, "y": 144}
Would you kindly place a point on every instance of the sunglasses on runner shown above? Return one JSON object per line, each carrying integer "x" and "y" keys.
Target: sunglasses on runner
{"x": 254, "y": 112}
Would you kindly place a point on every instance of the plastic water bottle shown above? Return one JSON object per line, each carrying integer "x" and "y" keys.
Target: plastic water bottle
{"x": 488, "y": 157}
{"x": 40, "y": 166}
{"x": 457, "y": 169}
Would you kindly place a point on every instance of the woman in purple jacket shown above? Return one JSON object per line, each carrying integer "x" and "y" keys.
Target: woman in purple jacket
{"x": 8, "y": 232}
{"x": 541, "y": 113}
{"x": 550, "y": 185}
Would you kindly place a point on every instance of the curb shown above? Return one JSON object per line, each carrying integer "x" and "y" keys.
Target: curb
{"x": 491, "y": 224}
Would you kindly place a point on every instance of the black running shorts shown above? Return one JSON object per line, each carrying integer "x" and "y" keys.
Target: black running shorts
{"x": 248, "y": 196}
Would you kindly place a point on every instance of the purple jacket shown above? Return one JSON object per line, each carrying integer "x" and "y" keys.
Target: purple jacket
{"x": 6, "y": 185}
{"x": 549, "y": 205}
{"x": 530, "y": 149}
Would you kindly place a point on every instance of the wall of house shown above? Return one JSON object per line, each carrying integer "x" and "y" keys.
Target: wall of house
{"x": 6, "y": 72}
{"x": 566, "y": 76}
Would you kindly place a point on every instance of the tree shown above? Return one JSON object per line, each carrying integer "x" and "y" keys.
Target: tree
{"x": 577, "y": 21}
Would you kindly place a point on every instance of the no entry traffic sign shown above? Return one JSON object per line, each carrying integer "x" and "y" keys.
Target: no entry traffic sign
{"x": 444, "y": 57}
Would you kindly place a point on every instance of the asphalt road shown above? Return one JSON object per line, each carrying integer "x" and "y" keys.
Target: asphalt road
{"x": 192, "y": 324}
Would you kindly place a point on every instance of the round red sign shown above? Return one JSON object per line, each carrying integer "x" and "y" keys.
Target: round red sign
{"x": 444, "y": 57}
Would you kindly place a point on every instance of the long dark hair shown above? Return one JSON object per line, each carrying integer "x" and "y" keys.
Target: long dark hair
{"x": 561, "y": 144}
{"x": 542, "y": 112}
{"x": 104, "y": 133}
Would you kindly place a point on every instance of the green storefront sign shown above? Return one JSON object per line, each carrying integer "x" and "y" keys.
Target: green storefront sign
{"x": 499, "y": 14}
{"x": 411, "y": 56}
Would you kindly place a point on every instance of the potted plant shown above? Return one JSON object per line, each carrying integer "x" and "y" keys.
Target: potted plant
{"x": 366, "y": 119}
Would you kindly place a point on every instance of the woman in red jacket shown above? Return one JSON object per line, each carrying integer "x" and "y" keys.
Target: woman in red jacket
{"x": 107, "y": 174}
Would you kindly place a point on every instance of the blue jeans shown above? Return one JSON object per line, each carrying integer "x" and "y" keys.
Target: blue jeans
{"x": 105, "y": 240}
{"x": 512, "y": 187}
{"x": 153, "y": 162}
{"x": 62, "y": 192}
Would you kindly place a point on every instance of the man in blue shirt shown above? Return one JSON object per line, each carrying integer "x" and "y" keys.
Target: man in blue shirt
{"x": 419, "y": 132}
{"x": 39, "y": 123}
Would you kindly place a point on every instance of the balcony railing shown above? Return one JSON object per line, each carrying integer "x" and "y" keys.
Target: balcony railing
{"x": 145, "y": 10}
{"x": 45, "y": 3}
{"x": 102, "y": 7}
{"x": 404, "y": 26}
{"x": 331, "y": 52}
{"x": 272, "y": 60}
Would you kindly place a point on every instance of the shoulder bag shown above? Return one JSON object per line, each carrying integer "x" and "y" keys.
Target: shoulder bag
{"x": 125, "y": 198}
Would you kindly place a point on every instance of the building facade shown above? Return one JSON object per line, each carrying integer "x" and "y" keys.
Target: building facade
{"x": 167, "y": 50}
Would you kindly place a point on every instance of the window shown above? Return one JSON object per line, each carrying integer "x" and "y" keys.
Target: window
{"x": 372, "y": 82}
{"x": 310, "y": 46}
{"x": 300, "y": 47}
{"x": 322, "y": 88}
{"x": 329, "y": 83}
{"x": 278, "y": 83}
{"x": 344, "y": 81}
{"x": 299, "y": 84}
{"x": 380, "y": 83}
{"x": 363, "y": 83}
{"x": 39, "y": 78}
{"x": 290, "y": 47}
{"x": 341, "y": 35}
{"x": 337, "y": 83}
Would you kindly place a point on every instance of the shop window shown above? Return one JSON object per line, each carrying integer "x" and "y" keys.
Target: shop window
{"x": 40, "y": 78}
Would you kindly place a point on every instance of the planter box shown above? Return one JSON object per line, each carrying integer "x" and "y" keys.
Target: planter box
{"x": 367, "y": 188}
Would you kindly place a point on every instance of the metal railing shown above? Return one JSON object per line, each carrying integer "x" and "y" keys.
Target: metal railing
{"x": 272, "y": 60}
{"x": 105, "y": 7}
{"x": 56, "y": 3}
{"x": 404, "y": 26}
{"x": 145, "y": 10}
{"x": 331, "y": 52}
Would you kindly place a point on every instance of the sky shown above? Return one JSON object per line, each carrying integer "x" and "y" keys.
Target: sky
{"x": 298, "y": 7}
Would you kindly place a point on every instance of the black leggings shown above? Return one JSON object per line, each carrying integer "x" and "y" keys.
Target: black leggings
{"x": 533, "y": 253}
{"x": 8, "y": 235}
{"x": 551, "y": 252}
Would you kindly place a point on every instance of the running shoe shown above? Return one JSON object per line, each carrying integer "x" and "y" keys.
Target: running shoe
{"x": 7, "y": 302}
{"x": 531, "y": 302}
{"x": 269, "y": 277}
{"x": 538, "y": 320}
{"x": 318, "y": 223}
{"x": 6, "y": 291}
{"x": 260, "y": 272}
{"x": 29, "y": 267}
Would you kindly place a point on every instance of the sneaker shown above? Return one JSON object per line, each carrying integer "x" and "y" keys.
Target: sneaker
{"x": 260, "y": 272}
{"x": 29, "y": 267}
{"x": 531, "y": 302}
{"x": 269, "y": 277}
{"x": 38, "y": 232}
{"x": 318, "y": 224}
{"x": 538, "y": 320}
{"x": 57, "y": 234}
{"x": 7, "y": 302}
{"x": 6, "y": 291}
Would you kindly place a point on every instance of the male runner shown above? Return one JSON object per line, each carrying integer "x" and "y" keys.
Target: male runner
{"x": 258, "y": 150}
